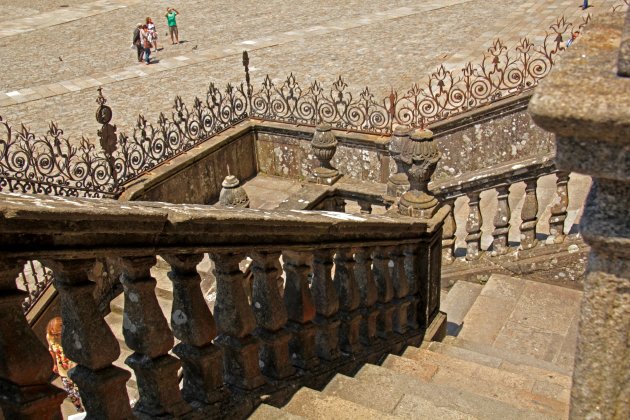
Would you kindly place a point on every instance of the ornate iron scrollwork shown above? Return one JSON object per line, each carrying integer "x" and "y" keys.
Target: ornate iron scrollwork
{"x": 52, "y": 165}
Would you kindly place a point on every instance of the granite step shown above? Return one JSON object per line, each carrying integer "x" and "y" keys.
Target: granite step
{"x": 510, "y": 357}
{"x": 507, "y": 361}
{"x": 527, "y": 318}
{"x": 363, "y": 392}
{"x": 551, "y": 385}
{"x": 269, "y": 412}
{"x": 451, "y": 397}
{"x": 508, "y": 388}
{"x": 315, "y": 405}
{"x": 457, "y": 303}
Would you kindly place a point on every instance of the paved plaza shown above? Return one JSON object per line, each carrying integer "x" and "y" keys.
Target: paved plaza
{"x": 54, "y": 53}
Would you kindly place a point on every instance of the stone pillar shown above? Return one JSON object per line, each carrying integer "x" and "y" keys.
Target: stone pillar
{"x": 235, "y": 323}
{"x": 448, "y": 233}
{"x": 559, "y": 208}
{"x": 412, "y": 270}
{"x": 271, "y": 316}
{"x": 349, "y": 300}
{"x": 529, "y": 215}
{"x": 401, "y": 290}
{"x": 232, "y": 194}
{"x": 88, "y": 341}
{"x": 385, "y": 290}
{"x": 501, "y": 222}
{"x": 324, "y": 146}
{"x": 420, "y": 156}
{"x": 193, "y": 324}
{"x": 369, "y": 294}
{"x": 473, "y": 227}
{"x": 398, "y": 183}
{"x": 147, "y": 333}
{"x": 25, "y": 365}
{"x": 300, "y": 309}
{"x": 366, "y": 207}
{"x": 592, "y": 126}
{"x": 326, "y": 304}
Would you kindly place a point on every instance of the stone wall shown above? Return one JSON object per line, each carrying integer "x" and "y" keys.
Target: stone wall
{"x": 499, "y": 133}
{"x": 284, "y": 150}
{"x": 196, "y": 176}
{"x": 494, "y": 135}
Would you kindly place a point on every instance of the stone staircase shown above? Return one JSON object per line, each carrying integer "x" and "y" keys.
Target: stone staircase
{"x": 508, "y": 355}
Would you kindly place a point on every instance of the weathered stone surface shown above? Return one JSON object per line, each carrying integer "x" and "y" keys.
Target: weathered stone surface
{"x": 592, "y": 124}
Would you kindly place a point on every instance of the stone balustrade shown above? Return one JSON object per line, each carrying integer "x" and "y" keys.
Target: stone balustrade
{"x": 501, "y": 179}
{"x": 356, "y": 288}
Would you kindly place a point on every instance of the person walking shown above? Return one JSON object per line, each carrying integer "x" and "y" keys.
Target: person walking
{"x": 154, "y": 34}
{"x": 170, "y": 15}
{"x": 137, "y": 42}
{"x": 62, "y": 364}
{"x": 145, "y": 38}
{"x": 585, "y": 5}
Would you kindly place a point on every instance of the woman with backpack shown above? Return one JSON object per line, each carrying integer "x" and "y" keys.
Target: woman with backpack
{"x": 146, "y": 40}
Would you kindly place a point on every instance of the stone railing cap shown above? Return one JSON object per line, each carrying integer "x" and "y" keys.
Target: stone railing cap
{"x": 583, "y": 97}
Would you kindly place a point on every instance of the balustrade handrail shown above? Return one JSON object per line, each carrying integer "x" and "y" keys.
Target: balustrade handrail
{"x": 504, "y": 174}
{"x": 55, "y": 225}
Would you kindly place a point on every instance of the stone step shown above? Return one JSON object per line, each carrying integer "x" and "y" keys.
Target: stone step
{"x": 314, "y": 405}
{"x": 513, "y": 358}
{"x": 457, "y": 303}
{"x": 441, "y": 395}
{"x": 554, "y": 386}
{"x": 513, "y": 391}
{"x": 514, "y": 366}
{"x": 388, "y": 399}
{"x": 269, "y": 412}
{"x": 525, "y": 317}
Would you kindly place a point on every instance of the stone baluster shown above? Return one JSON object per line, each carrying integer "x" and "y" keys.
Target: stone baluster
{"x": 366, "y": 206}
{"x": 398, "y": 183}
{"x": 349, "y": 300}
{"x": 271, "y": 316}
{"x": 25, "y": 365}
{"x": 559, "y": 208}
{"x": 448, "y": 233}
{"x": 385, "y": 289}
{"x": 300, "y": 309}
{"x": 147, "y": 333}
{"x": 369, "y": 294}
{"x": 236, "y": 323}
{"x": 326, "y": 305}
{"x": 401, "y": 290}
{"x": 88, "y": 341}
{"x": 529, "y": 215}
{"x": 473, "y": 227}
{"x": 193, "y": 324}
{"x": 412, "y": 272}
{"x": 501, "y": 221}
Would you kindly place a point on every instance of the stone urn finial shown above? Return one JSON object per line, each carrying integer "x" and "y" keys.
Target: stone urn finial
{"x": 232, "y": 194}
{"x": 398, "y": 182}
{"x": 324, "y": 146}
{"x": 419, "y": 156}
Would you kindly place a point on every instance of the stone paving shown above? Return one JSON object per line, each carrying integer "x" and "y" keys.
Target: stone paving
{"x": 72, "y": 50}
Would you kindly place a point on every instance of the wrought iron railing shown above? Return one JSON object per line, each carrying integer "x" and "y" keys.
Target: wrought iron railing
{"x": 34, "y": 278}
{"x": 52, "y": 165}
